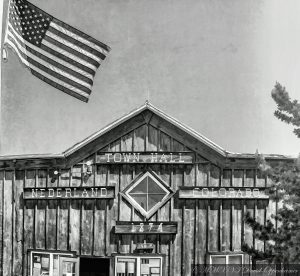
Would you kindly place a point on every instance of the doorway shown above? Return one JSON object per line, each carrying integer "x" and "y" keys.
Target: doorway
{"x": 94, "y": 267}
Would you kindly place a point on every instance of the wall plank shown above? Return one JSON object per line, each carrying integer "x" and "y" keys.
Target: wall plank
{"x": 63, "y": 213}
{"x": 249, "y": 178}
{"x": 238, "y": 178}
{"x": 100, "y": 207}
{"x": 226, "y": 225}
{"x": 29, "y": 218}
{"x": 112, "y": 240}
{"x": 261, "y": 180}
{"x": 188, "y": 223}
{"x": 214, "y": 179}
{"x": 260, "y": 212}
{"x": 87, "y": 214}
{"x": 51, "y": 223}
{"x": 227, "y": 178}
{"x": 177, "y": 205}
{"x": 201, "y": 216}
{"x": 125, "y": 207}
{"x": 213, "y": 225}
{"x": 164, "y": 142}
{"x": 249, "y": 207}
{"x": 18, "y": 224}
{"x": 152, "y": 141}
{"x": 75, "y": 212}
{"x": 237, "y": 222}
{"x": 7, "y": 224}
{"x": 237, "y": 212}
{"x": 40, "y": 215}
{"x": 112, "y": 211}
{"x": 214, "y": 211}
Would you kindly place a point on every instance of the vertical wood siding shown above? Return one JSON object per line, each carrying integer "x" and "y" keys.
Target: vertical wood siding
{"x": 87, "y": 226}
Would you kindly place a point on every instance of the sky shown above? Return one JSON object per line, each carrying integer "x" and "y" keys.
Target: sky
{"x": 211, "y": 64}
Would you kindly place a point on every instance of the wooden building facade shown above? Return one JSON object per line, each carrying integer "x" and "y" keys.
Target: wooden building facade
{"x": 146, "y": 195}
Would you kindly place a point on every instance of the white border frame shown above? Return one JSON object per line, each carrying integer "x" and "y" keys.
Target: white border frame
{"x": 138, "y": 262}
{"x": 226, "y": 259}
{"x": 51, "y": 253}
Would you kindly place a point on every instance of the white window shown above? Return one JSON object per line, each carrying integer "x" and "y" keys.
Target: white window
{"x": 227, "y": 264}
{"x": 138, "y": 266}
{"x": 50, "y": 264}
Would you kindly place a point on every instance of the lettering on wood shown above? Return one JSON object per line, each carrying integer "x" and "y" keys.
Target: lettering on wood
{"x": 136, "y": 227}
{"x": 100, "y": 192}
{"x": 223, "y": 193}
{"x": 145, "y": 157}
{"x": 143, "y": 246}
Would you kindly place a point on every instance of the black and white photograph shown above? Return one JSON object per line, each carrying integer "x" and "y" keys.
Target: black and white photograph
{"x": 150, "y": 138}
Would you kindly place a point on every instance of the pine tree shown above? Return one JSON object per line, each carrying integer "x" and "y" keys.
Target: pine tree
{"x": 287, "y": 111}
{"x": 282, "y": 242}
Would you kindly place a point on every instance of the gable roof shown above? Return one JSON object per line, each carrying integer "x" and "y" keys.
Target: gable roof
{"x": 79, "y": 151}
{"x": 155, "y": 110}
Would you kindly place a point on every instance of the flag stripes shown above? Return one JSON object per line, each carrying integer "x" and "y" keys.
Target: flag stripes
{"x": 81, "y": 34}
{"x": 55, "y": 52}
{"x": 26, "y": 50}
{"x": 62, "y": 36}
{"x": 40, "y": 55}
{"x": 69, "y": 89}
{"x": 89, "y": 43}
{"x": 49, "y": 70}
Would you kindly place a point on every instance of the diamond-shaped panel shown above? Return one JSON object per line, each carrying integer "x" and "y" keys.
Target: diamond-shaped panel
{"x": 147, "y": 193}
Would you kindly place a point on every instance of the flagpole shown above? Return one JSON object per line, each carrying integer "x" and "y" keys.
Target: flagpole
{"x": 3, "y": 25}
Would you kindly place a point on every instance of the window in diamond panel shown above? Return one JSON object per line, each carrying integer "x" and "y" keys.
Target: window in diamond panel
{"x": 141, "y": 188}
{"x": 141, "y": 199}
{"x": 154, "y": 188}
{"x": 153, "y": 199}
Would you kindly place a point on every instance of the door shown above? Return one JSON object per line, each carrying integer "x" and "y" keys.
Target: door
{"x": 94, "y": 266}
{"x": 69, "y": 266}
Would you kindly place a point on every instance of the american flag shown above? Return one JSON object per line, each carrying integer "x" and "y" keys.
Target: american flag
{"x": 55, "y": 52}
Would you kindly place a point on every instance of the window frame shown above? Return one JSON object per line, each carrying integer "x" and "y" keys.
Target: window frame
{"x": 226, "y": 255}
{"x": 138, "y": 262}
{"x": 137, "y": 181}
{"x": 51, "y": 253}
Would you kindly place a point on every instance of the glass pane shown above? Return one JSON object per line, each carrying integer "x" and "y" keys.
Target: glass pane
{"x": 153, "y": 187}
{"x": 150, "y": 266}
{"x": 55, "y": 265}
{"x": 235, "y": 265}
{"x": 235, "y": 259}
{"x": 69, "y": 268}
{"x": 40, "y": 264}
{"x": 140, "y": 188}
{"x": 218, "y": 266}
{"x": 141, "y": 200}
{"x": 218, "y": 260}
{"x": 154, "y": 199}
{"x": 126, "y": 267}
